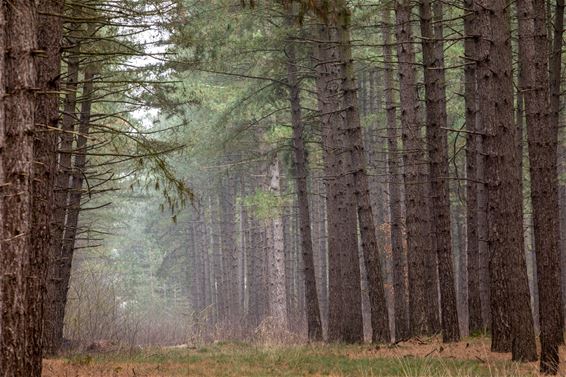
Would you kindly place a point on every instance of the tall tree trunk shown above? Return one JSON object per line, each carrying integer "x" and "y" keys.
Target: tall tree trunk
{"x": 50, "y": 28}
{"x": 354, "y": 144}
{"x": 18, "y": 357}
{"x": 343, "y": 277}
{"x": 54, "y": 301}
{"x": 300, "y": 163}
{"x": 276, "y": 255}
{"x": 510, "y": 302}
{"x": 555, "y": 92}
{"x": 218, "y": 282}
{"x": 542, "y": 141}
{"x": 323, "y": 252}
{"x": 76, "y": 192}
{"x": 437, "y": 138}
{"x": 475, "y": 323}
{"x": 3, "y": 178}
{"x": 394, "y": 168}
{"x": 415, "y": 200}
{"x": 229, "y": 247}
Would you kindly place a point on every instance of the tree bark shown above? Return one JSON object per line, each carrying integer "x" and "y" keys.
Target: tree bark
{"x": 555, "y": 94}
{"x": 354, "y": 144}
{"x": 311, "y": 295}
{"x": 542, "y": 142}
{"x": 512, "y": 324}
{"x": 395, "y": 176}
{"x": 229, "y": 247}
{"x": 76, "y": 192}
{"x": 276, "y": 255}
{"x": 18, "y": 357}
{"x": 54, "y": 300}
{"x": 49, "y": 34}
{"x": 475, "y": 323}
{"x": 414, "y": 177}
{"x": 437, "y": 140}
{"x": 343, "y": 260}
{"x": 3, "y": 178}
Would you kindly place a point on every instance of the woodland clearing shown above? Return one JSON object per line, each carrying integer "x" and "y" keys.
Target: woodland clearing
{"x": 421, "y": 357}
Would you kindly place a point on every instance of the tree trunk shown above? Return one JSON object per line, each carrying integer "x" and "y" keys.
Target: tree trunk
{"x": 300, "y": 163}
{"x": 276, "y": 255}
{"x": 475, "y": 323}
{"x": 76, "y": 188}
{"x": 394, "y": 168}
{"x": 45, "y": 154}
{"x": 555, "y": 92}
{"x": 542, "y": 141}
{"x": 3, "y": 181}
{"x": 229, "y": 247}
{"x": 54, "y": 300}
{"x": 218, "y": 282}
{"x": 18, "y": 357}
{"x": 437, "y": 138}
{"x": 354, "y": 143}
{"x": 414, "y": 177}
{"x": 343, "y": 261}
{"x": 512, "y": 324}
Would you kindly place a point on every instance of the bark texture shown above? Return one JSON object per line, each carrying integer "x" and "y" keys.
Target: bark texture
{"x": 394, "y": 169}
{"x": 354, "y": 144}
{"x": 437, "y": 140}
{"x": 277, "y": 296}
{"x": 19, "y": 357}
{"x": 542, "y": 142}
{"x": 475, "y": 323}
{"x": 46, "y": 122}
{"x": 311, "y": 295}
{"x": 414, "y": 177}
{"x": 512, "y": 324}
{"x": 56, "y": 292}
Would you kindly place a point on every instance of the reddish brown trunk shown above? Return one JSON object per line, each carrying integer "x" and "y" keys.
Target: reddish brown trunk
{"x": 45, "y": 154}
{"x": 344, "y": 276}
{"x": 437, "y": 140}
{"x": 18, "y": 357}
{"x": 512, "y": 328}
{"x": 542, "y": 136}
{"x": 475, "y": 323}
{"x": 354, "y": 144}
{"x": 415, "y": 177}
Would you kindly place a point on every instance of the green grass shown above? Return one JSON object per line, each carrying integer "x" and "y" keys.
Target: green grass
{"x": 323, "y": 361}
{"x": 244, "y": 360}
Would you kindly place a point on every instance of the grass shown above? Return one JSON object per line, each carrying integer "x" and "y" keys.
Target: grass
{"x": 417, "y": 358}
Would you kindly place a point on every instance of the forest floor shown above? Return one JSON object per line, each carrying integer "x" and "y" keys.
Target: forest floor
{"x": 427, "y": 357}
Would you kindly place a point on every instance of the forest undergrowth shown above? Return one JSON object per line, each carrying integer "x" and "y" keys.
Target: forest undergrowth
{"x": 418, "y": 357}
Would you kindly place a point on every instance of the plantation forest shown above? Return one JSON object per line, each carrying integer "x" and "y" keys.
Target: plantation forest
{"x": 256, "y": 188}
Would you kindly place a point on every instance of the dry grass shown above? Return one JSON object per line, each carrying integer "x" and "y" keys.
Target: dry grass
{"x": 421, "y": 357}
